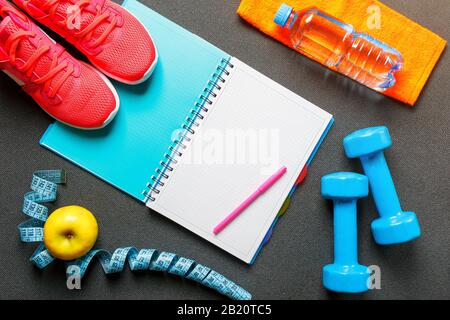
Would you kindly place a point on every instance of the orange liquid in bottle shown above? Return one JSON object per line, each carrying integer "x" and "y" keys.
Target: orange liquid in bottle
{"x": 335, "y": 44}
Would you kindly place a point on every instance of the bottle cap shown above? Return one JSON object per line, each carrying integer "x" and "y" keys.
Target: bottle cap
{"x": 283, "y": 15}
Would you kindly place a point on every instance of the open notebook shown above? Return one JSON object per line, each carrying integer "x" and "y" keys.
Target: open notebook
{"x": 197, "y": 138}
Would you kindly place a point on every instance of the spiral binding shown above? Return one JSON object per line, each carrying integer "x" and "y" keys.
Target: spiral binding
{"x": 195, "y": 116}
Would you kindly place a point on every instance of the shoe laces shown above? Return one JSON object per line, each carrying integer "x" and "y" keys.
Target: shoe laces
{"x": 28, "y": 68}
{"x": 74, "y": 13}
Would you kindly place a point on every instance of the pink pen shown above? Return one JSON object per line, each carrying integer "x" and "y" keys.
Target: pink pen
{"x": 236, "y": 212}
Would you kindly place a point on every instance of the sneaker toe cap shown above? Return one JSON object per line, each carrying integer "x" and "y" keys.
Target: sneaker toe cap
{"x": 131, "y": 55}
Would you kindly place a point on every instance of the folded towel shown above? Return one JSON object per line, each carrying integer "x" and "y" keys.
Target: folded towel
{"x": 419, "y": 47}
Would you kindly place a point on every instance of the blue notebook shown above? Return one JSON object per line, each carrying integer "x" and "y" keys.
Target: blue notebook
{"x": 198, "y": 137}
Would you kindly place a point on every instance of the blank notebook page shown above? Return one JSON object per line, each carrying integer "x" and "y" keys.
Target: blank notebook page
{"x": 253, "y": 127}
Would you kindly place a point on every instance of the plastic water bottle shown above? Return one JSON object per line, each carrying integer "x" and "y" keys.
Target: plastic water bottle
{"x": 337, "y": 45}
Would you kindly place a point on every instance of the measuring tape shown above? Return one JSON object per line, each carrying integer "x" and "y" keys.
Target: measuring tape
{"x": 45, "y": 186}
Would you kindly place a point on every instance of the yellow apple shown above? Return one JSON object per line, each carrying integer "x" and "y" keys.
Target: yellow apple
{"x": 70, "y": 232}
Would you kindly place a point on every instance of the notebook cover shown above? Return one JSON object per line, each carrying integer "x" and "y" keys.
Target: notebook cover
{"x": 128, "y": 150}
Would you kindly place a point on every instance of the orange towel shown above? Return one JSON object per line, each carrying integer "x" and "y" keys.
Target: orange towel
{"x": 419, "y": 47}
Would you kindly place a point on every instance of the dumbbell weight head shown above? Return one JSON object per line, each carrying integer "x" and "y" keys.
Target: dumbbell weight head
{"x": 366, "y": 141}
{"x": 346, "y": 278}
{"x": 344, "y": 186}
{"x": 396, "y": 229}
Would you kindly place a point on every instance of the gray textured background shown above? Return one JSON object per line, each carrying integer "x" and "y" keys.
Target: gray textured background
{"x": 290, "y": 267}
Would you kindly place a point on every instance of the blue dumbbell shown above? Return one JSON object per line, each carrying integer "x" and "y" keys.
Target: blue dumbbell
{"x": 345, "y": 274}
{"x": 394, "y": 225}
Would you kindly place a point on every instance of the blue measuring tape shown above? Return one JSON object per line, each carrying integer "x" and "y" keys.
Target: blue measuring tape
{"x": 45, "y": 187}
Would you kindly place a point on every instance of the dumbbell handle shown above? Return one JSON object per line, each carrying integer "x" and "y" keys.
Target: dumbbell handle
{"x": 345, "y": 232}
{"x": 381, "y": 184}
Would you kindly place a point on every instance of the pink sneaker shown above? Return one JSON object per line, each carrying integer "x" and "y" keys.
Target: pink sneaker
{"x": 112, "y": 39}
{"x": 67, "y": 89}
